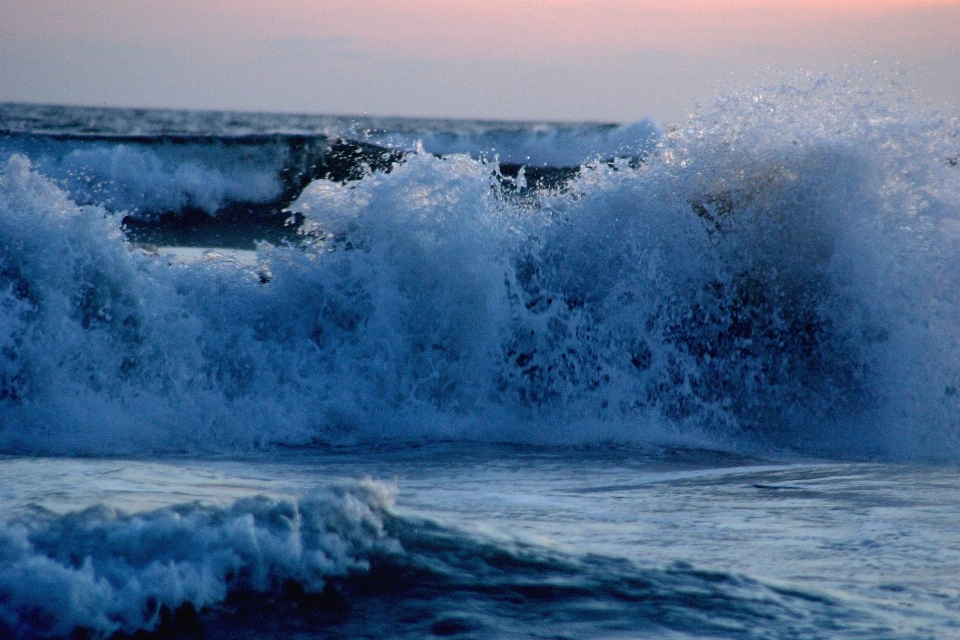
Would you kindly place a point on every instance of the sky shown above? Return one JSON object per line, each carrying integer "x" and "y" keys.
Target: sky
{"x": 608, "y": 60}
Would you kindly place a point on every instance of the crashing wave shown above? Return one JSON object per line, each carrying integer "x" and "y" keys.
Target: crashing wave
{"x": 778, "y": 274}
{"x": 339, "y": 559}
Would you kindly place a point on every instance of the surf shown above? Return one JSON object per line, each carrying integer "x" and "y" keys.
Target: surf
{"x": 772, "y": 276}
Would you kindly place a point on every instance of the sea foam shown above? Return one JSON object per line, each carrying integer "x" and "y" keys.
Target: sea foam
{"x": 106, "y": 571}
{"x": 778, "y": 273}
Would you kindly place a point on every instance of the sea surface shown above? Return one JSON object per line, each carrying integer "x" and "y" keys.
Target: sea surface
{"x": 273, "y": 376}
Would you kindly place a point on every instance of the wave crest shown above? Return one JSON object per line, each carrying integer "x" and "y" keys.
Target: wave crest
{"x": 106, "y": 571}
{"x": 777, "y": 274}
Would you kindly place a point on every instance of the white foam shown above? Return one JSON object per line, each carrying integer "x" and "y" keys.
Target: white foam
{"x": 151, "y": 179}
{"x": 106, "y": 571}
{"x": 194, "y": 255}
{"x": 761, "y": 279}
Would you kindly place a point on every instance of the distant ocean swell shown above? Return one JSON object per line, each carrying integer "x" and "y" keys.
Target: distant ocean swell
{"x": 778, "y": 274}
{"x": 342, "y": 561}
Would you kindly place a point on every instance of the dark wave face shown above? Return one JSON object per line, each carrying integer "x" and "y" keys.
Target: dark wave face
{"x": 191, "y": 190}
{"x": 206, "y": 179}
{"x": 779, "y": 274}
{"x": 340, "y": 563}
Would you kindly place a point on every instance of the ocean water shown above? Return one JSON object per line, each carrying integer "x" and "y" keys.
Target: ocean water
{"x": 276, "y": 376}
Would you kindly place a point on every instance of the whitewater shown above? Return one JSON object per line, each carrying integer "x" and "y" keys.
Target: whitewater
{"x": 282, "y": 376}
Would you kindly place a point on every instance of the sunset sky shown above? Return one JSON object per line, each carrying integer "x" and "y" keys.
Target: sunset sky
{"x": 533, "y": 59}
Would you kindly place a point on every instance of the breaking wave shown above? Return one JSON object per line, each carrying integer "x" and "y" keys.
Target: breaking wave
{"x": 342, "y": 561}
{"x": 780, "y": 273}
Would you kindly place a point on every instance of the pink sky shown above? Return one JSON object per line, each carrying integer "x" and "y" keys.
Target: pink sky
{"x": 623, "y": 58}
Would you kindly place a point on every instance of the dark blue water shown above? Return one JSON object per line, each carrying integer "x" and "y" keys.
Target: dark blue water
{"x": 728, "y": 336}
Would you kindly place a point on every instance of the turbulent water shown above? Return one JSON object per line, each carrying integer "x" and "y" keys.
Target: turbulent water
{"x": 292, "y": 376}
